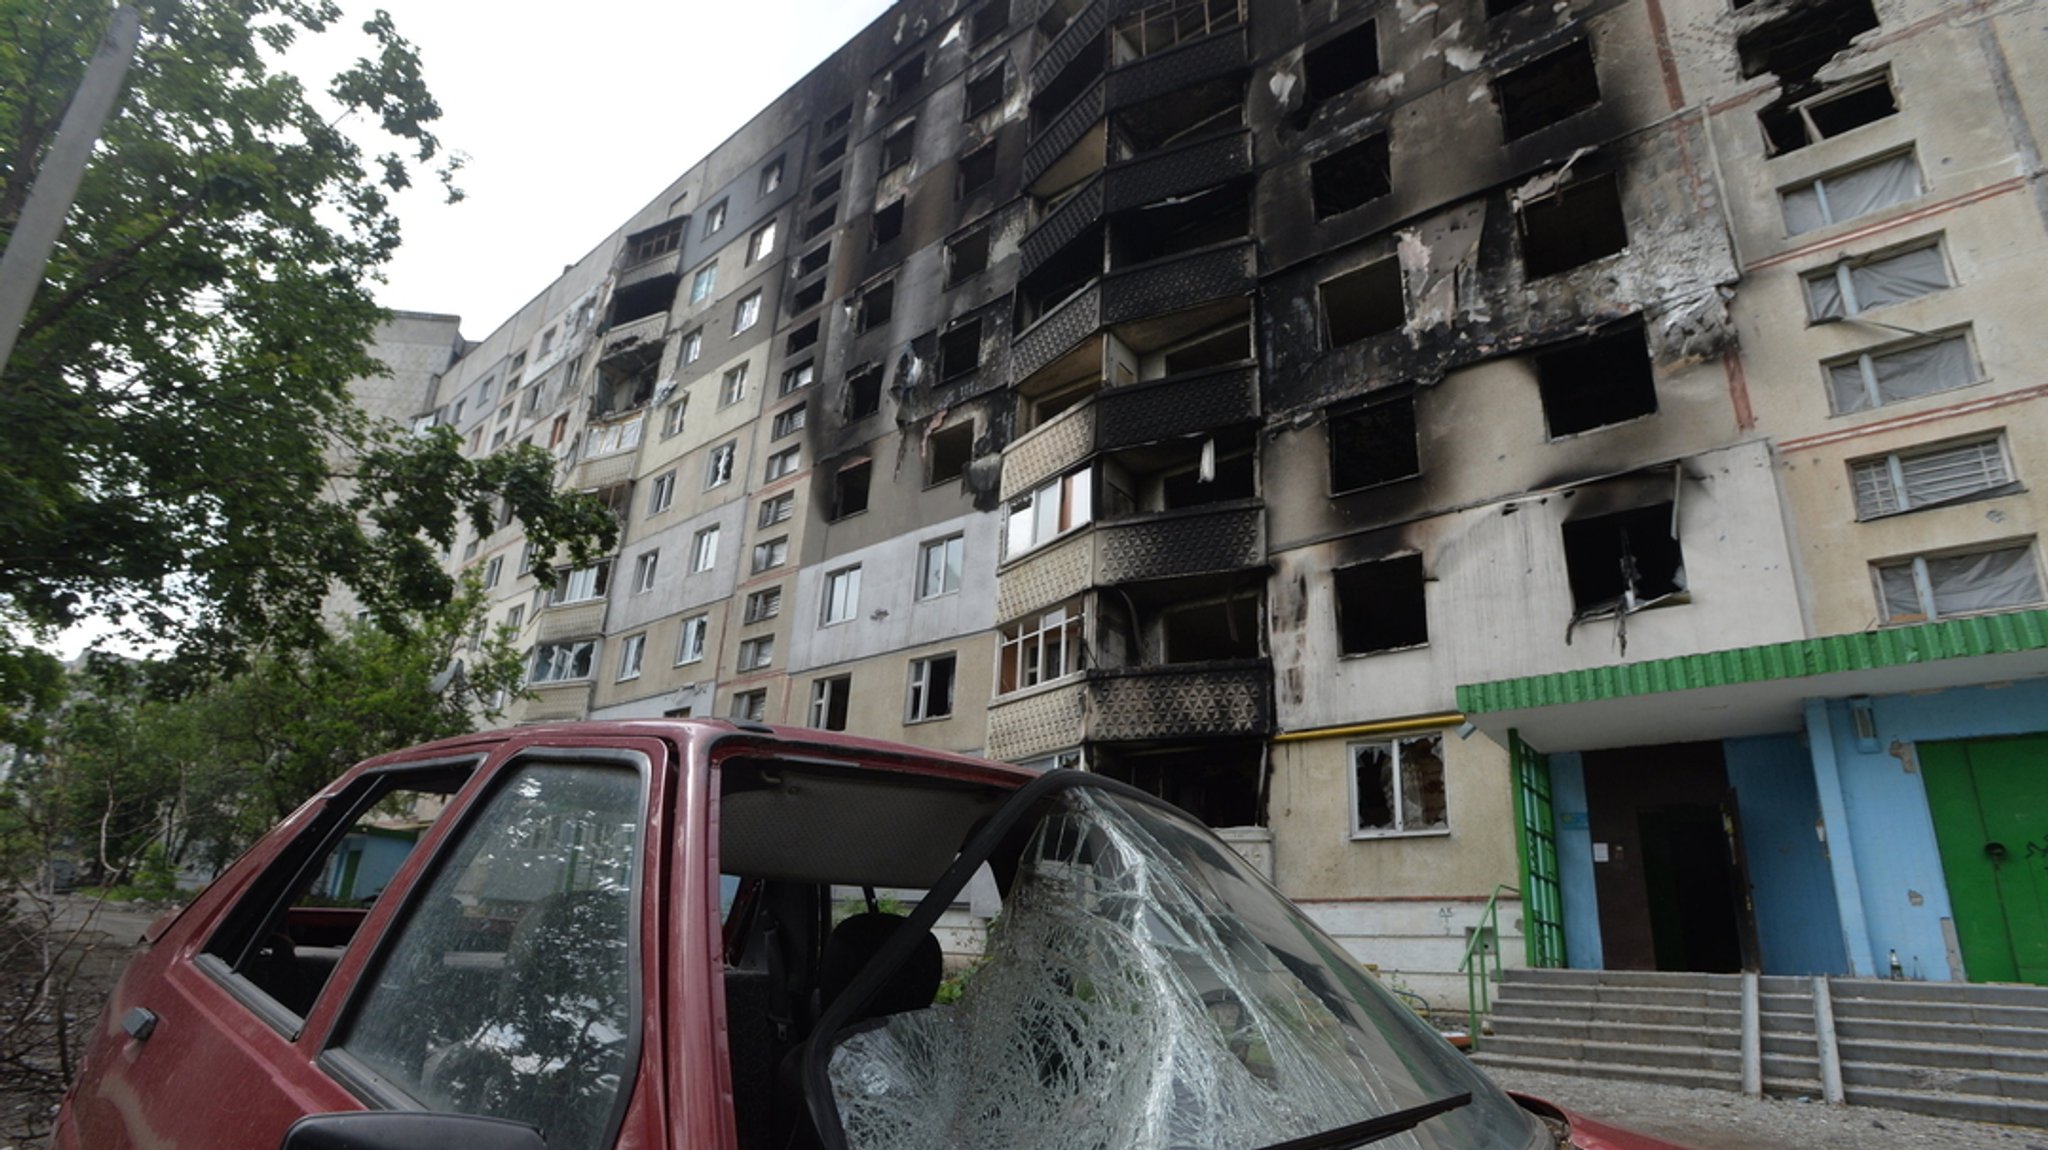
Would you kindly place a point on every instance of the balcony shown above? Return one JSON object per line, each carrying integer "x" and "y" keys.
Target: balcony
{"x": 1056, "y": 332}
{"x": 1177, "y": 171}
{"x": 1178, "y": 281}
{"x": 1053, "y": 448}
{"x": 667, "y": 264}
{"x": 646, "y": 329}
{"x": 1171, "y": 544}
{"x": 1062, "y": 226}
{"x": 1182, "y": 66}
{"x": 1082, "y": 33}
{"x": 570, "y": 621}
{"x": 1177, "y": 405}
{"x": 1072, "y": 145}
{"x": 1049, "y": 575}
{"x": 1036, "y": 722}
{"x": 1177, "y": 702}
{"x": 554, "y": 702}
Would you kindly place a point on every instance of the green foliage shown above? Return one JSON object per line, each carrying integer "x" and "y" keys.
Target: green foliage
{"x": 178, "y": 400}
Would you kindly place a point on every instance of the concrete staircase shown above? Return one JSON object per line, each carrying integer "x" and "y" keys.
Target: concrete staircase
{"x": 1951, "y": 1049}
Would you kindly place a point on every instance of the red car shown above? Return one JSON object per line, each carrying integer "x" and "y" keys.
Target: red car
{"x": 669, "y": 934}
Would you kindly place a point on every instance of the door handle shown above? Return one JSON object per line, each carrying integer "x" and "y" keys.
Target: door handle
{"x": 1996, "y": 852}
{"x": 140, "y": 1023}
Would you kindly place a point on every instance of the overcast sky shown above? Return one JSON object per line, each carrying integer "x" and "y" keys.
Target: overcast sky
{"x": 573, "y": 116}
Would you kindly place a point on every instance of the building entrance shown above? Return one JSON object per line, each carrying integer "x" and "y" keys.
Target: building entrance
{"x": 1989, "y": 800}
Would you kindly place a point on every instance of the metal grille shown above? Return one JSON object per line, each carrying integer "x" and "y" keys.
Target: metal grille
{"x": 1178, "y": 70}
{"x": 1062, "y": 134}
{"x": 1174, "y": 702}
{"x": 1056, "y": 334}
{"x": 1172, "y": 285}
{"x": 1536, "y": 835}
{"x": 1186, "y": 543}
{"x": 1177, "y": 171}
{"x": 1062, "y": 227}
{"x": 1084, "y": 31}
{"x": 1176, "y": 406}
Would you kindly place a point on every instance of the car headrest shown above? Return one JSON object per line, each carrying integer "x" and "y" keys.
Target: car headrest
{"x": 855, "y": 942}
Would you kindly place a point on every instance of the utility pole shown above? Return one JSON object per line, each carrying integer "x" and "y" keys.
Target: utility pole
{"x": 63, "y": 167}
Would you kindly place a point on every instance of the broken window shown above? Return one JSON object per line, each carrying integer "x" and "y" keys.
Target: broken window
{"x": 829, "y": 702}
{"x": 1397, "y": 787}
{"x": 631, "y": 652}
{"x": 1854, "y": 286}
{"x": 888, "y": 223}
{"x": 1180, "y": 225}
{"x": 1572, "y": 226}
{"x": 714, "y": 218}
{"x": 1362, "y": 303}
{"x": 1341, "y": 63}
{"x": 747, "y": 312}
{"x": 820, "y": 223}
{"x": 1380, "y": 605}
{"x": 930, "y": 692}
{"x": 644, "y": 570}
{"x": 651, "y": 296}
{"x": 988, "y": 21}
{"x": 1900, "y": 372}
{"x": 1804, "y": 37}
{"x": 1041, "y": 648}
{"x": 831, "y": 151}
{"x": 984, "y": 92}
{"x": 1930, "y": 476}
{"x": 805, "y": 298}
{"x": 580, "y": 585}
{"x": 1868, "y": 187}
{"x": 1218, "y": 630}
{"x": 1157, "y": 27}
{"x": 863, "y": 393}
{"x": 877, "y": 304}
{"x": 966, "y": 255}
{"x": 1228, "y": 345}
{"x": 762, "y": 243}
{"x": 1791, "y": 124}
{"x": 850, "y": 489}
{"x": 563, "y": 662}
{"x": 960, "y": 349}
{"x": 1623, "y": 560}
{"x": 1373, "y": 443}
{"x": 905, "y": 77}
{"x": 814, "y": 260}
{"x": 1218, "y": 475}
{"x": 977, "y": 169}
{"x": 656, "y": 241}
{"x": 947, "y": 451}
{"x": 1600, "y": 382}
{"x": 826, "y": 187}
{"x": 801, "y": 338}
{"x": 1351, "y": 178}
{"x": 626, "y": 380}
{"x": 718, "y": 465}
{"x": 771, "y": 176}
{"x": 898, "y": 145}
{"x": 1547, "y": 90}
{"x": 1201, "y": 111}
{"x": 1499, "y": 7}
{"x": 837, "y": 122}
{"x": 1928, "y": 587}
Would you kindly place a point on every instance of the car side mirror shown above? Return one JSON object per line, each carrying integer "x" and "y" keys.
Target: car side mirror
{"x": 403, "y": 1130}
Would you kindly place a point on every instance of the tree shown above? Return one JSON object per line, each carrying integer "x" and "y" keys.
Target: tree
{"x": 179, "y": 393}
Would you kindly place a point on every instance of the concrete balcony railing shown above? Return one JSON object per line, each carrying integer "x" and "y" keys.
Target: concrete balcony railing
{"x": 1177, "y": 405}
{"x": 1082, "y": 34}
{"x": 1172, "y": 544}
{"x": 1176, "y": 171}
{"x": 1056, "y": 332}
{"x": 1051, "y": 574}
{"x": 554, "y": 702}
{"x": 1036, "y": 722}
{"x": 1067, "y": 133}
{"x": 1054, "y": 447}
{"x": 1192, "y": 700}
{"x": 570, "y": 621}
{"x": 666, "y": 264}
{"x": 604, "y": 471}
{"x": 648, "y": 328}
{"x": 1062, "y": 226}
{"x": 1179, "y": 281}
{"x": 1179, "y": 67}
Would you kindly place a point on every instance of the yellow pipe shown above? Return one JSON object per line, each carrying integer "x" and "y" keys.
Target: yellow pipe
{"x": 1385, "y": 727}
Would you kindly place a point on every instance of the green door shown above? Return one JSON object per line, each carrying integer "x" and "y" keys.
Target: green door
{"x": 1989, "y": 799}
{"x": 1536, "y": 836}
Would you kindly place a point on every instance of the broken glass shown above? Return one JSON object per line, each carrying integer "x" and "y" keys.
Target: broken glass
{"x": 1145, "y": 990}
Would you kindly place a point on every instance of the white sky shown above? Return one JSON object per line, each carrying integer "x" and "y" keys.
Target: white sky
{"x": 573, "y": 116}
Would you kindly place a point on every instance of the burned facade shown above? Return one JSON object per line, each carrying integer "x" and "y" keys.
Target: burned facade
{"x": 1444, "y": 446}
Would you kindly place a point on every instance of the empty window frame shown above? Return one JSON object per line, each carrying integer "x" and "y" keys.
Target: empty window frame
{"x": 749, "y": 705}
{"x": 966, "y": 255}
{"x": 777, "y": 509}
{"x": 733, "y": 387}
{"x": 960, "y": 349}
{"x": 863, "y": 392}
{"x": 1897, "y": 372}
{"x": 898, "y": 146}
{"x": 771, "y": 176}
{"x": 704, "y": 550}
{"x": 764, "y": 604}
{"x": 1924, "y": 588}
{"x": 787, "y": 422}
{"x": 1352, "y": 177}
{"x": 563, "y": 662}
{"x": 1836, "y": 109}
{"x": 1372, "y": 443}
{"x": 1860, "y": 190}
{"x": 947, "y": 452}
{"x": 984, "y": 91}
{"x": 1930, "y": 476}
{"x": 1597, "y": 383}
{"x": 1547, "y": 90}
{"x": 1854, "y": 286}
{"x": 840, "y": 600}
{"x": 784, "y": 462}
{"x": 1041, "y": 648}
{"x": 1341, "y": 63}
{"x": 1362, "y": 303}
{"x": 877, "y": 305}
{"x": 718, "y": 465}
{"x": 1623, "y": 560}
{"x": 850, "y": 489}
{"x": 770, "y": 554}
{"x": 632, "y": 650}
{"x": 1380, "y": 605}
{"x": 747, "y": 312}
{"x": 888, "y": 223}
{"x": 1397, "y": 787}
{"x": 977, "y": 169}
{"x": 762, "y": 242}
{"x": 929, "y": 694}
{"x": 988, "y": 21}
{"x": 939, "y": 566}
{"x": 1049, "y": 511}
{"x": 643, "y": 571}
{"x": 906, "y": 76}
{"x": 830, "y": 702}
{"x": 756, "y": 653}
{"x": 1499, "y": 7}
{"x": 1572, "y": 226}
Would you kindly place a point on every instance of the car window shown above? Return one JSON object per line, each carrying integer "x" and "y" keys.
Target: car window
{"x": 280, "y": 944}
{"x": 508, "y": 991}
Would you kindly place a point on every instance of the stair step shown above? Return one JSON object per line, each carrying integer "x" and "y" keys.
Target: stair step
{"x": 1949, "y": 1013}
{"x": 1968, "y": 1107}
{"x": 1963, "y": 1055}
{"x": 1985, "y": 993}
{"x": 1612, "y": 1030}
{"x": 1669, "y": 1076}
{"x": 2029, "y": 1087}
{"x": 1607, "y": 1055}
{"x": 1626, "y": 1014}
{"x": 1656, "y": 980}
{"x": 1639, "y": 995}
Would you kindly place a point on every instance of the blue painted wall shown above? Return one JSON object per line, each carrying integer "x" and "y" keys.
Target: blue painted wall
{"x": 1575, "y": 861}
{"x": 1797, "y": 927}
{"x": 1904, "y": 894}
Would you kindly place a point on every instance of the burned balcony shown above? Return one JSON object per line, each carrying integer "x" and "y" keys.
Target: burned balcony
{"x": 1193, "y": 166}
{"x": 1175, "y": 544}
{"x": 1073, "y": 54}
{"x": 1183, "y": 280}
{"x": 653, "y": 253}
{"x": 1208, "y": 109}
{"x": 1068, "y": 218}
{"x": 1056, "y": 446}
{"x": 1058, "y": 306}
{"x": 1067, "y": 147}
{"x": 1177, "y": 405}
{"x": 642, "y": 297}
{"x": 1213, "y": 700}
{"x": 1169, "y": 47}
{"x": 1219, "y": 781}
{"x": 625, "y": 380}
{"x": 1177, "y": 226}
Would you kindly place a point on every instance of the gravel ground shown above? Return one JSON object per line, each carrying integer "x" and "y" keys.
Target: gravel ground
{"x": 1719, "y": 1120}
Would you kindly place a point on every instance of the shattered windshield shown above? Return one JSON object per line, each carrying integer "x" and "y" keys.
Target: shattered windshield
{"x": 1144, "y": 989}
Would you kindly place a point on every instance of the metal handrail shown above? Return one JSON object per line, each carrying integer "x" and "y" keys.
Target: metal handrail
{"x": 1478, "y": 999}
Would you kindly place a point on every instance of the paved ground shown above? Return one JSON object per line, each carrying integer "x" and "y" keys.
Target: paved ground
{"x": 1719, "y": 1120}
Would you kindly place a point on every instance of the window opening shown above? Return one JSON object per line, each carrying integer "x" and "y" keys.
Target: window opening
{"x": 771, "y": 176}
{"x": 643, "y": 571}
{"x": 651, "y": 296}
{"x": 820, "y": 223}
{"x": 930, "y": 693}
{"x": 1341, "y": 63}
{"x": 1854, "y": 286}
{"x": 1930, "y": 476}
{"x": 1929, "y": 587}
{"x": 841, "y": 600}
{"x": 656, "y": 241}
{"x": 714, "y": 218}
{"x": 1572, "y": 226}
{"x": 1039, "y": 649}
{"x": 632, "y": 650}
{"x": 787, "y": 422}
{"x": 825, "y": 188}
{"x": 1623, "y": 560}
{"x": 905, "y": 77}
{"x": 1851, "y": 192}
{"x": 888, "y": 223}
{"x": 776, "y": 509}
{"x": 1397, "y": 787}
{"x": 747, "y": 313}
{"x": 764, "y": 604}
{"x": 814, "y": 260}
{"x": 967, "y": 256}
{"x": 960, "y": 349}
{"x": 563, "y": 662}
{"x": 863, "y": 393}
{"x": 756, "y": 653}
{"x": 690, "y": 641}
{"x": 771, "y": 554}
{"x": 799, "y": 377}
{"x": 1220, "y": 629}
{"x": 977, "y": 169}
{"x": 1351, "y": 178}
{"x": 1362, "y": 303}
{"x": 829, "y": 702}
{"x": 802, "y": 338}
{"x": 1791, "y": 124}
{"x": 940, "y": 563}
{"x": 762, "y": 243}
{"x": 750, "y": 705}
{"x": 850, "y": 489}
{"x": 784, "y": 462}
{"x": 877, "y": 304}
{"x": 704, "y": 283}
{"x": 1601, "y": 382}
{"x": 1373, "y": 443}
{"x": 1380, "y": 605}
{"x": 704, "y": 550}
{"x": 898, "y": 146}
{"x": 1547, "y": 90}
{"x": 1898, "y": 372}
{"x": 718, "y": 465}
{"x": 984, "y": 92}
{"x": 733, "y": 387}
{"x": 1049, "y": 511}
{"x": 947, "y": 451}
{"x": 1157, "y": 27}
{"x": 988, "y": 21}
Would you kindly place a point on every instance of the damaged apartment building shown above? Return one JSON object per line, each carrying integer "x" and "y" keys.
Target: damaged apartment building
{"x": 1580, "y": 447}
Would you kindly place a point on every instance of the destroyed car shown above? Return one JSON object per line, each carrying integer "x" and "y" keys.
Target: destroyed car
{"x": 687, "y": 934}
